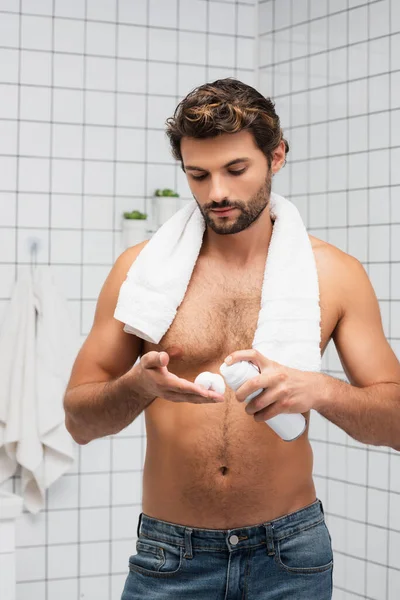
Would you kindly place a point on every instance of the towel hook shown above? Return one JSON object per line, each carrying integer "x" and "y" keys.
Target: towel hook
{"x": 34, "y": 245}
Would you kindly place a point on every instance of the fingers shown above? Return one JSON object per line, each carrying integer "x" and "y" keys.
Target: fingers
{"x": 181, "y": 388}
{"x": 205, "y": 397}
{"x": 211, "y": 395}
{"x": 163, "y": 357}
{"x": 154, "y": 360}
{"x": 187, "y": 387}
{"x": 176, "y": 388}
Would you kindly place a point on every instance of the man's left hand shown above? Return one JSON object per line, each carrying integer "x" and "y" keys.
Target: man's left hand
{"x": 286, "y": 390}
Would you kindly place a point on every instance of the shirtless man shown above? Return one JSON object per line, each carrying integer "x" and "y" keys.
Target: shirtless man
{"x": 229, "y": 509}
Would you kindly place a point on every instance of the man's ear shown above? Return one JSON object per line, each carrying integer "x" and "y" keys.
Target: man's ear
{"x": 278, "y": 157}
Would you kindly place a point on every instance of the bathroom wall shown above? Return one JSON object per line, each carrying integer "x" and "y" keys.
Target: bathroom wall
{"x": 85, "y": 88}
{"x": 333, "y": 69}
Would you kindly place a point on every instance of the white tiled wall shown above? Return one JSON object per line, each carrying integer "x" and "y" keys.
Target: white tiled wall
{"x": 7, "y": 559}
{"x": 333, "y": 69}
{"x": 85, "y": 88}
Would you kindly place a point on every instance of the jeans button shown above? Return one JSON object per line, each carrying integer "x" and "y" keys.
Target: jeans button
{"x": 233, "y": 540}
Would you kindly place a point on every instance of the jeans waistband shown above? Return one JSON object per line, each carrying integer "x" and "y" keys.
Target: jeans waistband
{"x": 239, "y": 537}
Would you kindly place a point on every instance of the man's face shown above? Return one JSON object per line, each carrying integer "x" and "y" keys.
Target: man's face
{"x": 217, "y": 182}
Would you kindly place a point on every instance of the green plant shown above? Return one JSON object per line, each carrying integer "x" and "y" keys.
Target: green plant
{"x": 166, "y": 192}
{"x": 135, "y": 214}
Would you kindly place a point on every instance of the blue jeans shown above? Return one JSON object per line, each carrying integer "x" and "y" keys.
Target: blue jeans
{"x": 289, "y": 558}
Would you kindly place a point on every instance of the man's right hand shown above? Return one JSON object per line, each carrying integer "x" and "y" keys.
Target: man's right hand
{"x": 155, "y": 380}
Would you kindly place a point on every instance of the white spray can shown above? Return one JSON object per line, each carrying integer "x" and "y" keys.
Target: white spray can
{"x": 289, "y": 426}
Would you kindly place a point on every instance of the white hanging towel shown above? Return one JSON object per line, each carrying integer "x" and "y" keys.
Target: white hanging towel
{"x": 288, "y": 328}
{"x": 18, "y": 429}
{"x": 37, "y": 349}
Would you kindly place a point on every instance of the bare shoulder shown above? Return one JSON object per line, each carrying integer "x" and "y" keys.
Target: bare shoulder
{"x": 366, "y": 355}
{"x": 108, "y": 351}
{"x": 324, "y": 250}
{"x": 340, "y": 274}
{"x": 110, "y": 290}
{"x": 331, "y": 257}
{"x": 125, "y": 260}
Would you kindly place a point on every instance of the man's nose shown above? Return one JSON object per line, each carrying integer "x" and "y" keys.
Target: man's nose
{"x": 218, "y": 190}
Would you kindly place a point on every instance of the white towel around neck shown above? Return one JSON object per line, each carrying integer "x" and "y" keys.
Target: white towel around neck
{"x": 288, "y": 329}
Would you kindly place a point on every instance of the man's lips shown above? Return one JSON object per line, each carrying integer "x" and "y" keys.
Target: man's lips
{"x": 223, "y": 210}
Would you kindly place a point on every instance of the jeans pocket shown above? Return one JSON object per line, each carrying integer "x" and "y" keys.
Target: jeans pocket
{"x": 306, "y": 551}
{"x": 156, "y": 558}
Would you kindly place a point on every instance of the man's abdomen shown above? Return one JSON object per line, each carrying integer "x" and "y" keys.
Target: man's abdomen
{"x": 213, "y": 466}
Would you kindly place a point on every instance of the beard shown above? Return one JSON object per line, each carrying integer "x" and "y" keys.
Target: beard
{"x": 249, "y": 211}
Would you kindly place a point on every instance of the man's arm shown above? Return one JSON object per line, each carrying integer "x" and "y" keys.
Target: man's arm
{"x": 367, "y": 408}
{"x": 101, "y": 398}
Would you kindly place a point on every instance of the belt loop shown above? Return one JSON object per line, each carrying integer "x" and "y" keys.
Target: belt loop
{"x": 138, "y": 527}
{"x": 322, "y": 507}
{"x": 188, "y": 543}
{"x": 269, "y": 528}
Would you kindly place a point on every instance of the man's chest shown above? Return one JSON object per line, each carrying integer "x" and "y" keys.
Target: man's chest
{"x": 219, "y": 315}
{"x": 211, "y": 323}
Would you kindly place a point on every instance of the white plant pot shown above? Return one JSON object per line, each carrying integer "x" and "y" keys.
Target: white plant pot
{"x": 134, "y": 231}
{"x": 163, "y": 207}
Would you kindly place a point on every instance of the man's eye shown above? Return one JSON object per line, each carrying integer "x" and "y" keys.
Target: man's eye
{"x": 237, "y": 172}
{"x": 200, "y": 177}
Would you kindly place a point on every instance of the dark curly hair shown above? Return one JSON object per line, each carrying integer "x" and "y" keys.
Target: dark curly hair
{"x": 225, "y": 106}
